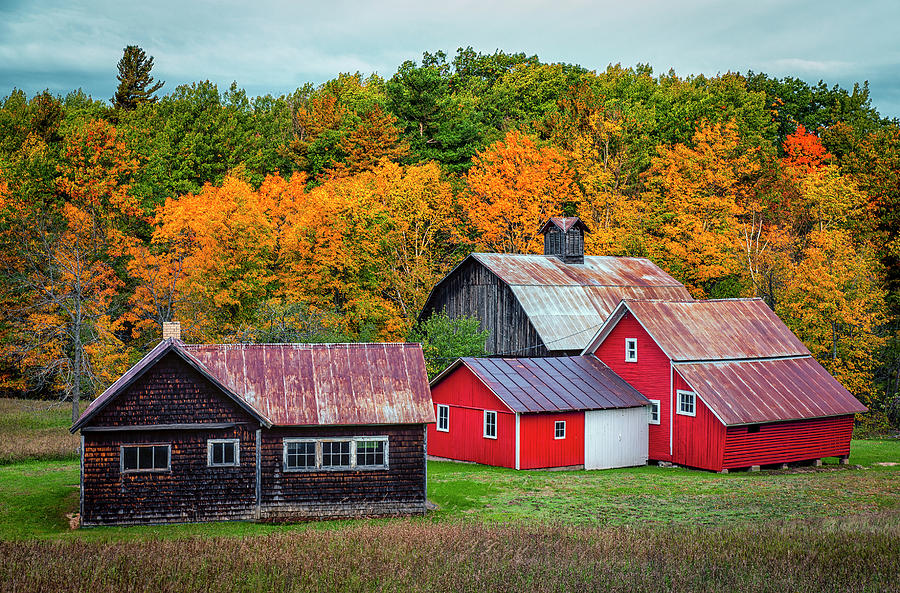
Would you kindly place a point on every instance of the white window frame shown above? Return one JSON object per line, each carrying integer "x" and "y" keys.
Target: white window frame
{"x": 446, "y": 409}
{"x": 654, "y": 402}
{"x": 319, "y": 464}
{"x": 123, "y": 446}
{"x": 209, "y": 452}
{"x": 684, "y": 392}
{"x": 631, "y": 348}
{"x": 556, "y": 425}
{"x": 492, "y": 413}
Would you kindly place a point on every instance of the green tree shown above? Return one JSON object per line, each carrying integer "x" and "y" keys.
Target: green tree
{"x": 444, "y": 340}
{"x": 136, "y": 86}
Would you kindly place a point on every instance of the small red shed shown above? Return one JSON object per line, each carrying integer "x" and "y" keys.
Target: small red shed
{"x": 530, "y": 413}
{"x": 730, "y": 386}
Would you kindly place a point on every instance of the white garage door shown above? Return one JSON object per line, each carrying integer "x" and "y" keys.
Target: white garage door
{"x": 615, "y": 438}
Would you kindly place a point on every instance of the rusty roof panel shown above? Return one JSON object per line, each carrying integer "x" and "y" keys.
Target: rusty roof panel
{"x": 750, "y": 392}
{"x": 567, "y": 317}
{"x": 310, "y": 384}
{"x": 552, "y": 384}
{"x": 717, "y": 329}
{"x": 549, "y": 270}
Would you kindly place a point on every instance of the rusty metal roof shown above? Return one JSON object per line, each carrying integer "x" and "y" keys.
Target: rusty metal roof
{"x": 567, "y": 303}
{"x": 305, "y": 384}
{"x": 723, "y": 329}
{"x": 749, "y": 392}
{"x": 564, "y": 223}
{"x": 551, "y": 384}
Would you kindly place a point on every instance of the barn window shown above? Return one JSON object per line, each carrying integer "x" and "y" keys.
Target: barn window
{"x": 299, "y": 454}
{"x": 222, "y": 452}
{"x": 336, "y": 454}
{"x": 443, "y": 418}
{"x": 686, "y": 403}
{"x": 654, "y": 411}
{"x": 144, "y": 458}
{"x": 753, "y": 428}
{"x": 559, "y": 429}
{"x": 630, "y": 349}
{"x": 371, "y": 452}
{"x": 490, "y": 425}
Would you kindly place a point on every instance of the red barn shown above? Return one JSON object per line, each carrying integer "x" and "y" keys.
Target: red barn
{"x": 730, "y": 386}
{"x": 531, "y": 413}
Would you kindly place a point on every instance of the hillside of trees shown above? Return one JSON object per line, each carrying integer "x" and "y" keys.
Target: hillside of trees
{"x": 327, "y": 214}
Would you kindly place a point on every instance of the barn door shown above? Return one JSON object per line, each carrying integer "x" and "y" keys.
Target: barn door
{"x": 615, "y": 438}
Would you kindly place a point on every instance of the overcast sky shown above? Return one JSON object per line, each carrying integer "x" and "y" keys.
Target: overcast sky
{"x": 274, "y": 46}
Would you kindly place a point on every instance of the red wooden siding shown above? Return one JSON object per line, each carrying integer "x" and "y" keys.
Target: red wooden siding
{"x": 784, "y": 442}
{"x": 698, "y": 440}
{"x": 538, "y": 446}
{"x": 649, "y": 375}
{"x": 467, "y": 398}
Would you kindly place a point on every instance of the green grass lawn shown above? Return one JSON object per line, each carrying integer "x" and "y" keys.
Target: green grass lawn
{"x": 31, "y": 429}
{"x": 37, "y": 496}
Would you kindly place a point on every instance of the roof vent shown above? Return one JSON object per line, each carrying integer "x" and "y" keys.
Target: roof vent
{"x": 564, "y": 238}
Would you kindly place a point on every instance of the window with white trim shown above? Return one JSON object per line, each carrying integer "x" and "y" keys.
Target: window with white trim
{"x": 559, "y": 429}
{"x": 490, "y": 424}
{"x": 630, "y": 349}
{"x": 145, "y": 458}
{"x": 223, "y": 453}
{"x": 335, "y": 454}
{"x": 443, "y": 418}
{"x": 687, "y": 404}
{"x": 654, "y": 411}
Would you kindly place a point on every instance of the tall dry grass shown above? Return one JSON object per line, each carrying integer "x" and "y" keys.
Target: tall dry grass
{"x": 33, "y": 429}
{"x": 420, "y": 556}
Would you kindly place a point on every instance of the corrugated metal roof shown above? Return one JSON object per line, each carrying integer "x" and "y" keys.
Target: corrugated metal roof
{"x": 750, "y": 392}
{"x": 305, "y": 384}
{"x": 566, "y": 303}
{"x": 552, "y": 384}
{"x": 563, "y": 223}
{"x": 717, "y": 329}
{"x": 310, "y": 384}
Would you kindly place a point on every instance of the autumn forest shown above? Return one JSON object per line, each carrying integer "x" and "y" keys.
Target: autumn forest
{"x": 327, "y": 214}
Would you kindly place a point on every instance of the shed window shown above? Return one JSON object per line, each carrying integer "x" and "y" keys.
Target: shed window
{"x": 686, "y": 403}
{"x": 222, "y": 452}
{"x": 144, "y": 458}
{"x": 299, "y": 454}
{"x": 335, "y": 454}
{"x": 371, "y": 452}
{"x": 490, "y": 425}
{"x": 443, "y": 418}
{"x": 559, "y": 429}
{"x": 630, "y": 349}
{"x": 654, "y": 411}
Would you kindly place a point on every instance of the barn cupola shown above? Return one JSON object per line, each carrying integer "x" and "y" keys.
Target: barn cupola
{"x": 564, "y": 238}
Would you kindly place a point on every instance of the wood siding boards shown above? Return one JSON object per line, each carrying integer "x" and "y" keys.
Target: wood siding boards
{"x": 786, "y": 442}
{"x": 615, "y": 438}
{"x": 699, "y": 440}
{"x": 540, "y": 448}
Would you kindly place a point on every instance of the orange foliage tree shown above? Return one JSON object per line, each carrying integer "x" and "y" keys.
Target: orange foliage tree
{"x": 512, "y": 188}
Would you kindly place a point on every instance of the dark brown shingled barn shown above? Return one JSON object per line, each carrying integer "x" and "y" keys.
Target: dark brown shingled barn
{"x": 258, "y": 432}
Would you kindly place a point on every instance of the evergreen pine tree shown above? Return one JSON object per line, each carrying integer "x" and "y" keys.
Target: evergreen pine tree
{"x": 136, "y": 86}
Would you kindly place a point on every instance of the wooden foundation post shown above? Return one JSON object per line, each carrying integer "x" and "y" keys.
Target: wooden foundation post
{"x": 845, "y": 459}
{"x": 754, "y": 468}
{"x": 817, "y": 462}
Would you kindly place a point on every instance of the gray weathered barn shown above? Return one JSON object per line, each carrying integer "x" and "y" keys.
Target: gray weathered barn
{"x": 551, "y": 304}
{"x": 204, "y": 432}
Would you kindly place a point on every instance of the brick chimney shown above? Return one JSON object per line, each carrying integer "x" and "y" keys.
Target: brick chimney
{"x": 564, "y": 238}
{"x": 171, "y": 329}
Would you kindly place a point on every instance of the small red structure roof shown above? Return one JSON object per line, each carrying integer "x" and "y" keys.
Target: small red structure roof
{"x": 303, "y": 384}
{"x": 740, "y": 358}
{"x": 751, "y": 392}
{"x": 553, "y": 384}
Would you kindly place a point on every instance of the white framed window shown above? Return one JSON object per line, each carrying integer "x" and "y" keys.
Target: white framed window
{"x": 687, "y": 403}
{"x": 223, "y": 452}
{"x": 443, "y": 418}
{"x": 490, "y": 424}
{"x": 630, "y": 349}
{"x": 654, "y": 411}
{"x": 559, "y": 429}
{"x": 335, "y": 454}
{"x": 145, "y": 458}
